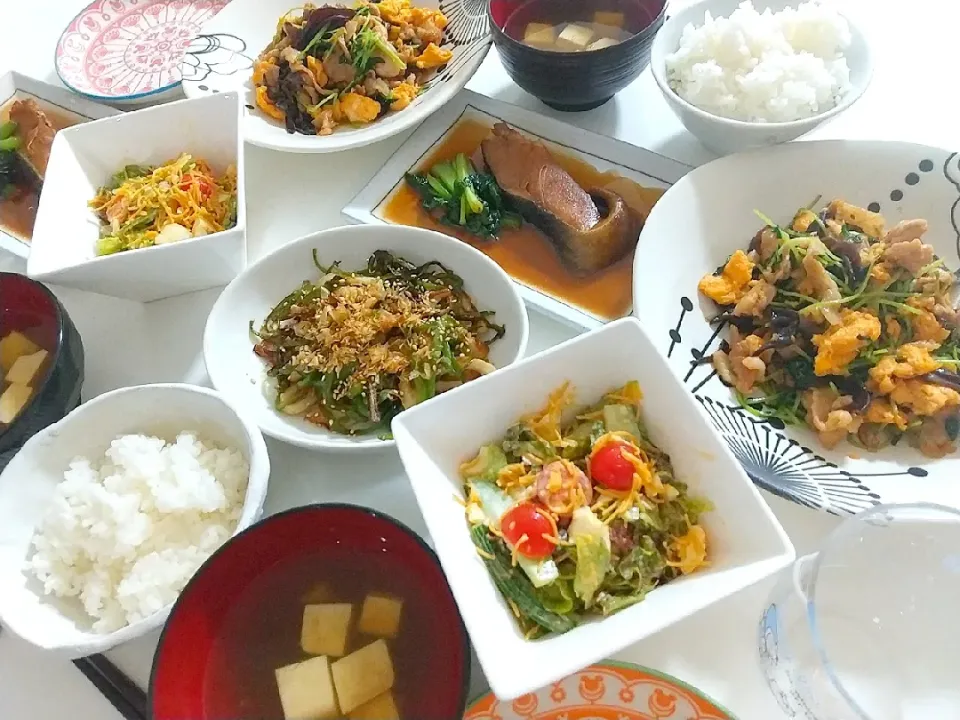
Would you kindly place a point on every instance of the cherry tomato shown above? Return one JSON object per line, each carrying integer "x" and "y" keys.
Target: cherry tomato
{"x": 610, "y": 468}
{"x": 527, "y": 519}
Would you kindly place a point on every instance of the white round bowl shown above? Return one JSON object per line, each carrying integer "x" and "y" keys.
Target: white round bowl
{"x": 240, "y": 375}
{"x": 28, "y": 482}
{"x": 723, "y": 135}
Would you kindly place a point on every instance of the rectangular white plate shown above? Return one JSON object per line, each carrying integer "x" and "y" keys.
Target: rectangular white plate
{"x": 14, "y": 85}
{"x": 645, "y": 167}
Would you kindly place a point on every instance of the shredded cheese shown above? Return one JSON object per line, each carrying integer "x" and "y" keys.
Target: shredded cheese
{"x": 689, "y": 549}
{"x": 514, "y": 555}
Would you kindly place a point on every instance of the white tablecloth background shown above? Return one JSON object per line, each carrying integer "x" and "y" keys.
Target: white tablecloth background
{"x": 126, "y": 343}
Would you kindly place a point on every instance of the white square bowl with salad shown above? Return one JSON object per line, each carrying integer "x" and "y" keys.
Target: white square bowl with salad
{"x": 145, "y": 205}
{"x": 580, "y": 501}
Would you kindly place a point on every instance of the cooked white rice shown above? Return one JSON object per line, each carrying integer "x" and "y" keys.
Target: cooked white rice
{"x": 769, "y": 67}
{"x": 126, "y": 532}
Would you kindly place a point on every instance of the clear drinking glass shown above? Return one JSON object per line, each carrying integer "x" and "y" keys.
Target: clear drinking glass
{"x": 869, "y": 627}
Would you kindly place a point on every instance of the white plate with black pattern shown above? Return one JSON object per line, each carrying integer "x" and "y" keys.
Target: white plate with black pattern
{"x": 221, "y": 59}
{"x": 708, "y": 215}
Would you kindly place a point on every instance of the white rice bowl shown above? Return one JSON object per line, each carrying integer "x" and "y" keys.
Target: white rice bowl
{"x": 764, "y": 67}
{"x": 125, "y": 532}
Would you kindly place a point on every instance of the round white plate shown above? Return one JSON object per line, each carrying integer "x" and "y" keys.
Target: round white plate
{"x": 129, "y": 51}
{"x": 708, "y": 215}
{"x": 221, "y": 58}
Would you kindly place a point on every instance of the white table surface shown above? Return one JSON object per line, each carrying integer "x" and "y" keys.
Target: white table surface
{"x": 911, "y": 98}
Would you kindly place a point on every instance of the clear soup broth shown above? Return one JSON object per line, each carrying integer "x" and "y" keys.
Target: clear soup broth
{"x": 575, "y": 25}
{"x": 263, "y": 632}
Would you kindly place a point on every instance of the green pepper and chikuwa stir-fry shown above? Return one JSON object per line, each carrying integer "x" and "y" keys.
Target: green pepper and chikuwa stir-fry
{"x": 582, "y": 518}
{"x": 353, "y": 349}
{"x": 845, "y": 326}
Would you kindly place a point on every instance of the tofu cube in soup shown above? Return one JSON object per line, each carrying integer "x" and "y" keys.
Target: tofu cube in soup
{"x": 12, "y": 402}
{"x": 606, "y": 17}
{"x": 306, "y": 690}
{"x": 13, "y": 346}
{"x": 574, "y": 37}
{"x": 25, "y": 367}
{"x": 540, "y": 34}
{"x": 382, "y": 707}
{"x": 380, "y": 616}
{"x": 325, "y": 629}
{"x": 362, "y": 675}
{"x": 602, "y": 43}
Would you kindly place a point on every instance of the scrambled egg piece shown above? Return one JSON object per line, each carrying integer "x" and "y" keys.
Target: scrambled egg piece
{"x": 927, "y": 327}
{"x": 395, "y": 11}
{"x": 259, "y": 69}
{"x": 403, "y": 95}
{"x": 316, "y": 69}
{"x": 728, "y": 287}
{"x": 838, "y": 346}
{"x": 893, "y": 328}
{"x": 422, "y": 16}
{"x": 880, "y": 275}
{"x": 924, "y": 398}
{"x": 870, "y": 222}
{"x": 265, "y": 104}
{"x": 881, "y": 412}
{"x": 358, "y": 109}
{"x": 915, "y": 360}
{"x": 433, "y": 57}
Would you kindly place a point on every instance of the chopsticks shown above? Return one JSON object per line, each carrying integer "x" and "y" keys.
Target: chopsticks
{"x": 124, "y": 694}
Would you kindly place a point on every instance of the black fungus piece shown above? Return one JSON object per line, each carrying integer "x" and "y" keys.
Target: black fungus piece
{"x": 329, "y": 16}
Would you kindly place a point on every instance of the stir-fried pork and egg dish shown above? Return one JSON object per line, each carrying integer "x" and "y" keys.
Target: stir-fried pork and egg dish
{"x": 840, "y": 323}
{"x": 331, "y": 65}
{"x": 183, "y": 198}
{"x": 353, "y": 349}
{"x": 583, "y": 517}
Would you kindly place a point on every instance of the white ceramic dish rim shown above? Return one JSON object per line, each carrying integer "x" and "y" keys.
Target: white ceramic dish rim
{"x": 777, "y": 558}
{"x": 256, "y": 493}
{"x": 689, "y": 14}
{"x": 369, "y": 443}
{"x": 434, "y": 99}
{"x": 147, "y": 252}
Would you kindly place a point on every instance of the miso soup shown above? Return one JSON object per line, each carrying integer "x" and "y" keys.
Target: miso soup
{"x": 324, "y": 636}
{"x": 574, "y": 25}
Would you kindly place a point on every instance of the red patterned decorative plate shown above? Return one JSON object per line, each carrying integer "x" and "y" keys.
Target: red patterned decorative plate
{"x": 124, "y": 51}
{"x": 609, "y": 691}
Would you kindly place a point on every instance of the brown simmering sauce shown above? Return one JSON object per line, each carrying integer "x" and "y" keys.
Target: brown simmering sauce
{"x": 525, "y": 253}
{"x": 19, "y": 212}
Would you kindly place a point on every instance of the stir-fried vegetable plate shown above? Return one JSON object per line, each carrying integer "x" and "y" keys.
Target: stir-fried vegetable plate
{"x": 842, "y": 324}
{"x": 330, "y": 65}
{"x": 580, "y": 518}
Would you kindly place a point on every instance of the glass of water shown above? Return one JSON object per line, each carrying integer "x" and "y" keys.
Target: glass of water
{"x": 869, "y": 627}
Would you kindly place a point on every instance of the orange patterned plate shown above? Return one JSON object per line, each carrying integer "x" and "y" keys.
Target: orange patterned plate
{"x": 610, "y": 691}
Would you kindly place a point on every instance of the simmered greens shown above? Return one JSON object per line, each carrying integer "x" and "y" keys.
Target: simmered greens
{"x": 456, "y": 194}
{"x": 351, "y": 350}
{"x": 582, "y": 518}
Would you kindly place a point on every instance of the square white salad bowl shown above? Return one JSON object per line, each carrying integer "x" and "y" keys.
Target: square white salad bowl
{"x": 745, "y": 541}
{"x": 82, "y": 160}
